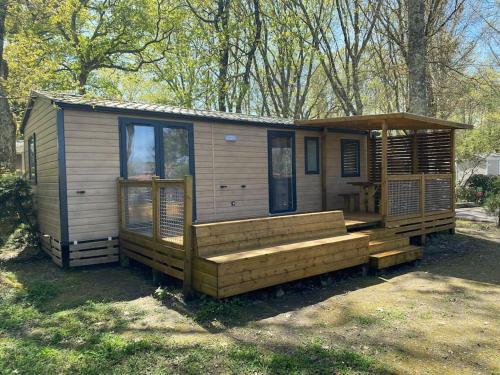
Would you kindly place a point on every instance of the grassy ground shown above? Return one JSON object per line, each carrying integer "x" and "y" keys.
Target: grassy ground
{"x": 441, "y": 317}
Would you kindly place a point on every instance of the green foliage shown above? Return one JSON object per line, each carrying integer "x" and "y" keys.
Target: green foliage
{"x": 17, "y": 208}
{"x": 492, "y": 203}
{"x": 478, "y": 188}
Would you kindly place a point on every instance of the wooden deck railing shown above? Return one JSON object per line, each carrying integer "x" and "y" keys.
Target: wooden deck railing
{"x": 155, "y": 218}
{"x": 418, "y": 195}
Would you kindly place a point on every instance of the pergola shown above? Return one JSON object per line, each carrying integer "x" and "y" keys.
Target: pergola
{"x": 404, "y": 165}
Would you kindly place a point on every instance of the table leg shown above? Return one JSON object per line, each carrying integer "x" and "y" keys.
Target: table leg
{"x": 362, "y": 204}
{"x": 371, "y": 198}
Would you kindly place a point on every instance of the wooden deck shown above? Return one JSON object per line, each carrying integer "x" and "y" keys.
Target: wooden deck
{"x": 224, "y": 259}
{"x": 239, "y": 256}
{"x": 358, "y": 220}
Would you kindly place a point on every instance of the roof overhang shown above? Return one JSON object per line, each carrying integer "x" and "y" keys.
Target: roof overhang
{"x": 362, "y": 123}
{"x": 394, "y": 121}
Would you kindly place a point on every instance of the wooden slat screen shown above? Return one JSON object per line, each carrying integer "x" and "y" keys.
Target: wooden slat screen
{"x": 433, "y": 150}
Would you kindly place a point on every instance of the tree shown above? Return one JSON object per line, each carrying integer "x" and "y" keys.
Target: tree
{"x": 417, "y": 58}
{"x": 84, "y": 36}
{"x": 341, "y": 39}
{"x": 7, "y": 125}
{"x": 284, "y": 66}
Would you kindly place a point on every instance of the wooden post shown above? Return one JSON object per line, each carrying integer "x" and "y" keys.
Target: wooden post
{"x": 188, "y": 237}
{"x": 383, "y": 175}
{"x": 323, "y": 169}
{"x": 124, "y": 260}
{"x": 453, "y": 174}
{"x": 422, "y": 195}
{"x": 422, "y": 207}
{"x": 155, "y": 201}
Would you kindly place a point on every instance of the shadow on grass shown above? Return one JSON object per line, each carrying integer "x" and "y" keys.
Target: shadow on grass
{"x": 52, "y": 289}
{"x": 87, "y": 340}
{"x": 463, "y": 256}
{"x": 218, "y": 315}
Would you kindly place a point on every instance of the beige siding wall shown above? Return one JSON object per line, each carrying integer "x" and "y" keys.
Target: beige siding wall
{"x": 42, "y": 123}
{"x": 92, "y": 162}
{"x": 308, "y": 185}
{"x": 231, "y": 164}
{"x": 92, "y": 166}
{"x": 336, "y": 184}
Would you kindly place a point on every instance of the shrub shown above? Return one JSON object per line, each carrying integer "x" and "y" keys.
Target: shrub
{"x": 492, "y": 203}
{"x": 478, "y": 188}
{"x": 18, "y": 217}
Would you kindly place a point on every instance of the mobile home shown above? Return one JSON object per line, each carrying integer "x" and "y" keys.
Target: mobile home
{"x": 109, "y": 180}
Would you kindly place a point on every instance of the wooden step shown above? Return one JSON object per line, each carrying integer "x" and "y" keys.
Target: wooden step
{"x": 378, "y": 233}
{"x": 393, "y": 257}
{"x": 381, "y": 245}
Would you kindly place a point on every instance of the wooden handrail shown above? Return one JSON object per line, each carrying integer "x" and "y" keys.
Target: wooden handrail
{"x": 398, "y": 177}
{"x": 132, "y": 181}
{"x": 432, "y": 176}
{"x": 428, "y": 176}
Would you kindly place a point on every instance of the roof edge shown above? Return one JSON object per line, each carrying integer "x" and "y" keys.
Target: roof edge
{"x": 379, "y": 119}
{"x": 101, "y": 108}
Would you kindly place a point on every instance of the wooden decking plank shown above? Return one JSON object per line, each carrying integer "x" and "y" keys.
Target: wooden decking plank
{"x": 288, "y": 247}
{"x": 394, "y": 257}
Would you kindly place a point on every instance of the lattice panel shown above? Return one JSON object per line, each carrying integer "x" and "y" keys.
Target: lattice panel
{"x": 172, "y": 213}
{"x": 437, "y": 194}
{"x": 138, "y": 209}
{"x": 404, "y": 197}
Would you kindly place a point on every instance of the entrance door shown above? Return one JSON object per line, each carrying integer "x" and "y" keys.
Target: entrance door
{"x": 281, "y": 165}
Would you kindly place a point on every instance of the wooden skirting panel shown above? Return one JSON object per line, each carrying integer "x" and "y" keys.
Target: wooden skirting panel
{"x": 426, "y": 225}
{"x": 87, "y": 253}
{"x": 159, "y": 256}
{"x": 224, "y": 276}
{"x": 53, "y": 248}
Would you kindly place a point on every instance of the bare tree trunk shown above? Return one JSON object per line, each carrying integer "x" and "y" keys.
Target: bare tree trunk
{"x": 250, "y": 56}
{"x": 417, "y": 58}
{"x": 7, "y": 125}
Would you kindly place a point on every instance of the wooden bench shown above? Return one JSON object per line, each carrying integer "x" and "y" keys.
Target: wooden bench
{"x": 239, "y": 256}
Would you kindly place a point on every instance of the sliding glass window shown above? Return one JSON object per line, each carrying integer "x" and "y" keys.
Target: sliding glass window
{"x": 155, "y": 148}
{"x": 175, "y": 152}
{"x": 140, "y": 151}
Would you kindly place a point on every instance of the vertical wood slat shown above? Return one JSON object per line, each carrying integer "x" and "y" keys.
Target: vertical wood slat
{"x": 155, "y": 202}
{"x": 188, "y": 237}
{"x": 422, "y": 194}
{"x": 414, "y": 152}
{"x": 384, "y": 193}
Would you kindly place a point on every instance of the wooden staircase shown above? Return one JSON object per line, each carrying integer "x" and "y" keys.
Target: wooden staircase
{"x": 389, "y": 249}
